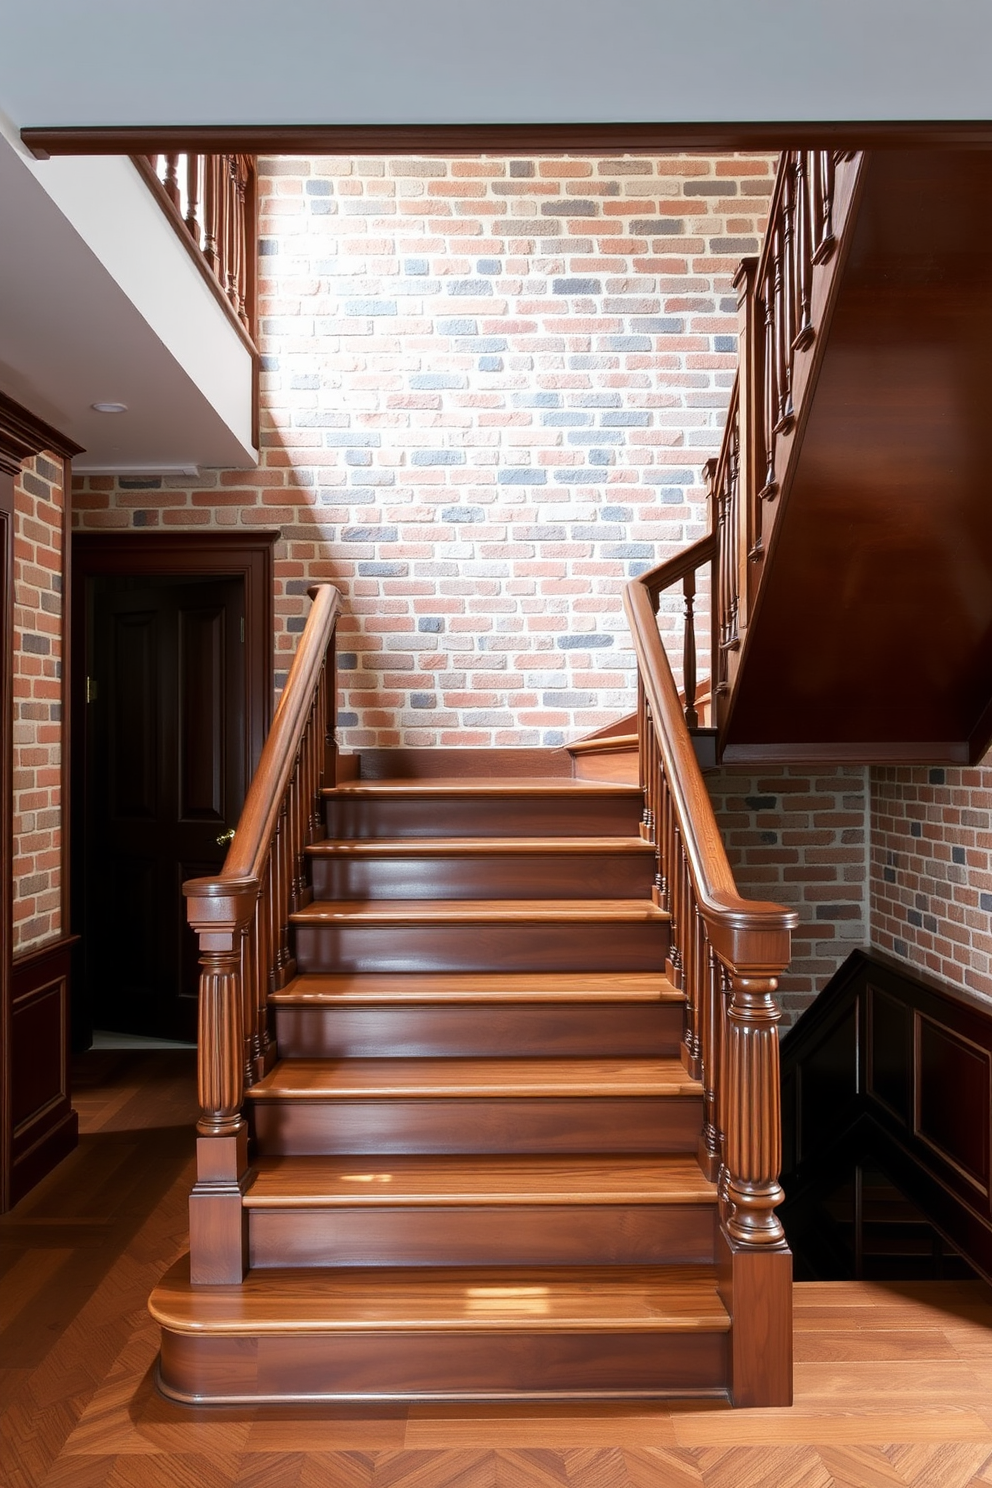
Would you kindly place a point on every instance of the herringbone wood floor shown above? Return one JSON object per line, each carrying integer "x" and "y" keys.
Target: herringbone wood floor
{"x": 893, "y": 1385}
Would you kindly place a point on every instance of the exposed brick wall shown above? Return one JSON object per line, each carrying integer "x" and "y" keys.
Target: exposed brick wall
{"x": 800, "y": 838}
{"x": 489, "y": 388}
{"x": 931, "y": 871}
{"x": 37, "y": 723}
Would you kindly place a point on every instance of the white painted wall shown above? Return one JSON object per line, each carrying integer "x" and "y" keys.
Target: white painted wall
{"x": 392, "y": 61}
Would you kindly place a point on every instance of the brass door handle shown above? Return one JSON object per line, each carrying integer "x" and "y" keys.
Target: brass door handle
{"x": 225, "y": 838}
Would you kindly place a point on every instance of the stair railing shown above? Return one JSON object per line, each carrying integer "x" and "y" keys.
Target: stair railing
{"x": 727, "y": 953}
{"x": 241, "y": 918}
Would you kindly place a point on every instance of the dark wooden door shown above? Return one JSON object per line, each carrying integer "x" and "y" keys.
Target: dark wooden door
{"x": 166, "y": 746}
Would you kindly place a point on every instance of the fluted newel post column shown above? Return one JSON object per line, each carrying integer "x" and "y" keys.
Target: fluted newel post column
{"x": 753, "y": 1113}
{"x": 219, "y": 913}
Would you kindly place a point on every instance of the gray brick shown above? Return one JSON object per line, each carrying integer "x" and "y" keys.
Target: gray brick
{"x": 358, "y": 438}
{"x": 596, "y": 400}
{"x": 521, "y": 168}
{"x": 438, "y": 457}
{"x": 373, "y": 478}
{"x": 655, "y": 227}
{"x": 459, "y": 326}
{"x": 595, "y": 641}
{"x": 416, "y": 266}
{"x": 370, "y": 307}
{"x": 583, "y": 476}
{"x": 383, "y": 571}
{"x": 626, "y": 418}
{"x": 38, "y": 645}
{"x": 536, "y": 400}
{"x": 566, "y": 420}
{"x": 521, "y": 227}
{"x": 423, "y": 700}
{"x": 469, "y": 286}
{"x": 595, "y": 436}
{"x": 489, "y": 266}
{"x": 658, "y": 325}
{"x": 725, "y": 343}
{"x": 427, "y": 381}
{"x": 490, "y": 364}
{"x": 734, "y": 245}
{"x": 577, "y": 286}
{"x": 602, "y": 457}
{"x": 710, "y": 188}
{"x": 522, "y": 475}
{"x": 318, "y": 188}
{"x": 616, "y": 513}
{"x": 577, "y": 208}
{"x": 463, "y": 514}
{"x": 626, "y": 343}
{"x": 629, "y": 550}
{"x": 369, "y": 534}
{"x": 568, "y": 699}
{"x": 430, "y": 624}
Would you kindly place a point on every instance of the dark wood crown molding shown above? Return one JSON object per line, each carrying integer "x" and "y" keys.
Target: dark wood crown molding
{"x": 455, "y": 139}
{"x": 22, "y": 435}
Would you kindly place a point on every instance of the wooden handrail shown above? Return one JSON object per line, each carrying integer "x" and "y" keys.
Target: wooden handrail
{"x": 241, "y": 918}
{"x": 671, "y": 570}
{"x": 726, "y": 955}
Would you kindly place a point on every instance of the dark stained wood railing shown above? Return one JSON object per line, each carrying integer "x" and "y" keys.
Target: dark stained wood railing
{"x": 242, "y": 920}
{"x": 213, "y": 200}
{"x": 727, "y": 953}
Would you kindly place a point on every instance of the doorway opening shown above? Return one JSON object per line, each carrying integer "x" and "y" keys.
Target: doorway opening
{"x": 172, "y": 695}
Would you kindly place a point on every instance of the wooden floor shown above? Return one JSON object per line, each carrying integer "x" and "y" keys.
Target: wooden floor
{"x": 893, "y": 1384}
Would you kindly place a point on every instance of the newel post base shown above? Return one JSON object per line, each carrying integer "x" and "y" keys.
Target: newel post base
{"x": 755, "y": 1286}
{"x": 218, "y": 1221}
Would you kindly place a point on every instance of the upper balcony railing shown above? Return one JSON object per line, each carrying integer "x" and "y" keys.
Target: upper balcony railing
{"x": 211, "y": 200}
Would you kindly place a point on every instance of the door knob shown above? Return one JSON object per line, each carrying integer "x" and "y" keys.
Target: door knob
{"x": 225, "y": 838}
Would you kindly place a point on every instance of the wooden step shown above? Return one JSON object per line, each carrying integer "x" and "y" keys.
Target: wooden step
{"x": 496, "y": 1014}
{"x": 403, "y": 935}
{"x": 491, "y": 1210}
{"x": 315, "y": 1334}
{"x": 483, "y": 868}
{"x": 482, "y": 808}
{"x": 313, "y": 1107}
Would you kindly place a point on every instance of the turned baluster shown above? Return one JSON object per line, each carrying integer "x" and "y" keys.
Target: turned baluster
{"x": 824, "y": 176}
{"x": 171, "y": 179}
{"x": 211, "y": 210}
{"x": 771, "y": 394}
{"x": 732, "y": 507}
{"x": 689, "y": 649}
{"x": 804, "y": 230}
{"x": 193, "y": 167}
{"x": 711, "y": 1141}
{"x": 752, "y": 1122}
{"x": 783, "y": 314}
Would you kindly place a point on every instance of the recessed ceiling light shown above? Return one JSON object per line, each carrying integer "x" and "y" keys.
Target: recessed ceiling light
{"x": 109, "y": 407}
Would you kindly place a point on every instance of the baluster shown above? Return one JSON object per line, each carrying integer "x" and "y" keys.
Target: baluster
{"x": 223, "y": 213}
{"x": 248, "y": 1013}
{"x": 171, "y": 179}
{"x": 771, "y": 393}
{"x": 732, "y": 504}
{"x": 284, "y": 858}
{"x": 753, "y": 1123}
{"x": 675, "y": 885}
{"x": 689, "y": 650}
{"x": 211, "y": 211}
{"x": 690, "y": 982}
{"x": 193, "y": 165}
{"x": 230, "y": 280}
{"x": 273, "y": 919}
{"x": 825, "y": 174}
{"x": 805, "y": 238}
{"x": 783, "y": 313}
{"x": 711, "y": 1142}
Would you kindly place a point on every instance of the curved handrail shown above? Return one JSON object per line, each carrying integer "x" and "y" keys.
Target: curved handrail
{"x": 671, "y": 570}
{"x": 727, "y": 914}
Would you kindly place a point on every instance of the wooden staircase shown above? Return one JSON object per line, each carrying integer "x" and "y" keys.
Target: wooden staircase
{"x": 474, "y": 1166}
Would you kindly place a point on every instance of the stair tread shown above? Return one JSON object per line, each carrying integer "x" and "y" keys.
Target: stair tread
{"x": 466, "y": 787}
{"x": 450, "y": 1078}
{"x": 385, "y": 847}
{"x": 460, "y": 911}
{"x": 367, "y": 989}
{"x": 330, "y": 1182}
{"x": 662, "y": 1299}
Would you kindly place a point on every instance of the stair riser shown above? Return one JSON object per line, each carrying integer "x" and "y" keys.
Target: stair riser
{"x": 568, "y": 1030}
{"x": 488, "y": 817}
{"x": 313, "y": 1127}
{"x": 375, "y": 1365}
{"x": 581, "y": 946}
{"x": 502, "y": 876}
{"x": 484, "y": 1235}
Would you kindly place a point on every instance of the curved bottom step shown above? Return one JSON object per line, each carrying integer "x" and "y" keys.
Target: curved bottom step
{"x": 453, "y": 1335}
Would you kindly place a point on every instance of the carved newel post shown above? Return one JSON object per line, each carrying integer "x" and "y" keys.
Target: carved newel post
{"x": 219, "y": 913}
{"x": 753, "y": 1117}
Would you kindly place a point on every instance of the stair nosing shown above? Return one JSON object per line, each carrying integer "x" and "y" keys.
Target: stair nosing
{"x": 409, "y": 912}
{"x": 429, "y": 990}
{"x": 395, "y": 1080}
{"x": 385, "y": 847}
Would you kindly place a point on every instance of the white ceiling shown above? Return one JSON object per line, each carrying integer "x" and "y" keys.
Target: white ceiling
{"x": 117, "y": 62}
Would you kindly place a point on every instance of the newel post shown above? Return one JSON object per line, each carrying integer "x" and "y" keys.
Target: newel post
{"x": 755, "y": 1263}
{"x": 219, "y": 912}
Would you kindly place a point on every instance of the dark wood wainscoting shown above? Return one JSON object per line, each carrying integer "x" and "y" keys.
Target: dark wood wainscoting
{"x": 44, "y": 1126}
{"x": 890, "y": 1074}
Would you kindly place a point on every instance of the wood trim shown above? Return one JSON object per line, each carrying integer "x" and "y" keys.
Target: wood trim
{"x": 48, "y": 1132}
{"x": 455, "y": 139}
{"x": 174, "y": 218}
{"x": 22, "y": 435}
{"x": 227, "y": 554}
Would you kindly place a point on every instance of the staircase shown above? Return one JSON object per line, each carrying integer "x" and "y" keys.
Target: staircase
{"x": 474, "y": 1168}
